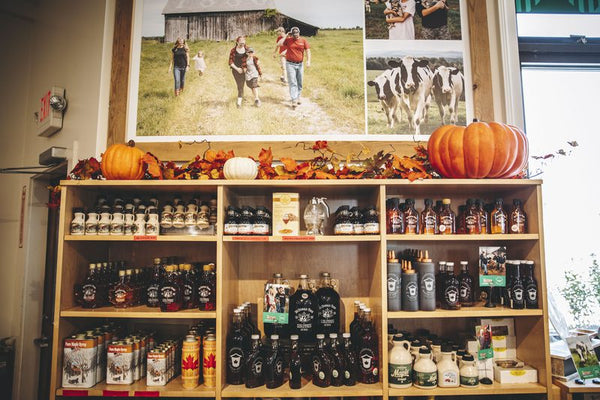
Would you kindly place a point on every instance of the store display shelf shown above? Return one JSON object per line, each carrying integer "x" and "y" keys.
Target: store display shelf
{"x": 308, "y": 390}
{"x": 132, "y": 238}
{"x": 306, "y": 238}
{"x": 136, "y": 312}
{"x": 481, "y": 390}
{"x": 478, "y": 311}
{"x": 462, "y": 237}
{"x": 139, "y": 389}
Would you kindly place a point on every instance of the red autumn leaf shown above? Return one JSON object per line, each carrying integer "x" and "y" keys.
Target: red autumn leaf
{"x": 210, "y": 362}
{"x": 289, "y": 164}
{"x": 86, "y": 169}
{"x": 320, "y": 145}
{"x": 265, "y": 156}
{"x": 190, "y": 362}
{"x": 152, "y": 165}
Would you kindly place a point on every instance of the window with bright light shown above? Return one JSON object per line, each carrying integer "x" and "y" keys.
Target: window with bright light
{"x": 562, "y": 107}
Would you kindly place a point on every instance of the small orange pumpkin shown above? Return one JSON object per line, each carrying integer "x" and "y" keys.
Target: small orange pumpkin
{"x": 479, "y": 150}
{"x": 122, "y": 161}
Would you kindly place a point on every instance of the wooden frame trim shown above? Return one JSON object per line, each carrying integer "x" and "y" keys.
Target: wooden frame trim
{"x": 119, "y": 86}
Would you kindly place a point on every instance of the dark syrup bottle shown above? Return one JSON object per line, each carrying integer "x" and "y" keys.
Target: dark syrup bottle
{"x": 303, "y": 311}
{"x": 328, "y": 319}
{"x": 350, "y": 361}
{"x": 321, "y": 364}
{"x": 451, "y": 298}
{"x": 274, "y": 365}
{"x": 255, "y": 364}
{"x": 531, "y": 287}
{"x": 295, "y": 364}
{"x": 337, "y": 367}
{"x": 368, "y": 347}
{"x": 236, "y": 350}
{"x": 466, "y": 292}
{"x": 517, "y": 289}
{"x": 171, "y": 298}
{"x": 152, "y": 291}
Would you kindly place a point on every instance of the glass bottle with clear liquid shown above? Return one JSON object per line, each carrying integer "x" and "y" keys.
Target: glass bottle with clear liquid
{"x": 315, "y": 216}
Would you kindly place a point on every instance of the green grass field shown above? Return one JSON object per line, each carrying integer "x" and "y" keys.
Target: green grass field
{"x": 377, "y": 121}
{"x": 333, "y": 91}
{"x": 376, "y": 27}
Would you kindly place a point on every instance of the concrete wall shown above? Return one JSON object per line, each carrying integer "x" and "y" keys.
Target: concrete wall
{"x": 46, "y": 43}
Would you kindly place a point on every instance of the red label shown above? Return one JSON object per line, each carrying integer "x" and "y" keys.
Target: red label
{"x": 74, "y": 393}
{"x": 144, "y": 237}
{"x": 252, "y": 238}
{"x": 299, "y": 238}
{"x": 144, "y": 393}
{"x": 115, "y": 393}
{"x": 44, "y": 107}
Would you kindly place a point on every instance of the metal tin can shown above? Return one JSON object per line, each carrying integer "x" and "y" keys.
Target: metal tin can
{"x": 190, "y": 364}
{"x": 209, "y": 361}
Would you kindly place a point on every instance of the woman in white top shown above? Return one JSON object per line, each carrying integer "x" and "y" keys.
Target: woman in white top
{"x": 403, "y": 27}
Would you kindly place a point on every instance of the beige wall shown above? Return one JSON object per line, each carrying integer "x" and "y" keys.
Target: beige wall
{"x": 46, "y": 43}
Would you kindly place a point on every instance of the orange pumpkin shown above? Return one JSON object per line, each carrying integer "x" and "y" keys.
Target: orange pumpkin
{"x": 122, "y": 161}
{"x": 479, "y": 150}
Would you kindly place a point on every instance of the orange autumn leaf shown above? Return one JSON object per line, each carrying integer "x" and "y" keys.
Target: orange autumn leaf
{"x": 210, "y": 155}
{"x": 289, "y": 164}
{"x": 320, "y": 145}
{"x": 412, "y": 175}
{"x": 265, "y": 156}
{"x": 324, "y": 175}
{"x": 152, "y": 166}
{"x": 214, "y": 174}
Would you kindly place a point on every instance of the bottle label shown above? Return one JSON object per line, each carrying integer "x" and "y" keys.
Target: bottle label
{"x": 368, "y": 362}
{"x": 346, "y": 374}
{"x": 245, "y": 229}
{"x": 400, "y": 374}
{"x": 426, "y": 379}
{"x": 230, "y": 229}
{"x": 411, "y": 224}
{"x": 327, "y": 315}
{"x": 396, "y": 224}
{"x": 450, "y": 378}
{"x": 334, "y": 373}
{"x": 120, "y": 296}
{"x": 451, "y": 295}
{"x": 187, "y": 292}
{"x": 345, "y": 228}
{"x": 465, "y": 292}
{"x": 260, "y": 229}
{"x": 76, "y": 228}
{"x": 358, "y": 229}
{"x": 372, "y": 227}
{"x": 518, "y": 294}
{"x": 257, "y": 365}
{"x": 429, "y": 224}
{"x": 446, "y": 224}
{"x": 472, "y": 224}
{"x": 393, "y": 286}
{"x": 152, "y": 295}
{"x": 532, "y": 293}
{"x": 204, "y": 293}
{"x": 167, "y": 294}
{"x": 89, "y": 292}
{"x": 235, "y": 359}
{"x": 428, "y": 285}
{"x": 469, "y": 380}
{"x": 412, "y": 291}
{"x": 304, "y": 318}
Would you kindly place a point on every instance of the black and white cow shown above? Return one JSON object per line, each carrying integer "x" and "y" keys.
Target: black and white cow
{"x": 388, "y": 97}
{"x": 413, "y": 80}
{"x": 448, "y": 87}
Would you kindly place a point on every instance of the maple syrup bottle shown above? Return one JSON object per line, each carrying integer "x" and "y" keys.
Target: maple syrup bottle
{"x": 303, "y": 311}
{"x": 321, "y": 364}
{"x": 518, "y": 218}
{"x": 451, "y": 301}
{"x": 394, "y": 218}
{"x": 461, "y": 227}
{"x": 440, "y": 278}
{"x": 236, "y": 350}
{"x": 531, "y": 287}
{"x": 171, "y": 296}
{"x": 498, "y": 218}
{"x": 368, "y": 356}
{"x": 411, "y": 218}
{"x": 483, "y": 217}
{"x": 328, "y": 319}
{"x": 274, "y": 365}
{"x": 122, "y": 293}
{"x": 350, "y": 361}
{"x": 429, "y": 224}
{"x": 207, "y": 288}
{"x": 337, "y": 367}
{"x": 472, "y": 218}
{"x": 295, "y": 381}
{"x": 90, "y": 293}
{"x": 190, "y": 292}
{"x": 152, "y": 291}
{"x": 255, "y": 364}
{"x": 356, "y": 320}
{"x": 517, "y": 289}
{"x": 447, "y": 219}
{"x": 466, "y": 293}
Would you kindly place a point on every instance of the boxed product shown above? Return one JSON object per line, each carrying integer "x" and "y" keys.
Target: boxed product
{"x": 503, "y": 353}
{"x": 514, "y": 371}
{"x": 505, "y": 347}
{"x": 500, "y": 326}
{"x": 286, "y": 214}
{"x": 157, "y": 368}
{"x": 486, "y": 368}
{"x": 79, "y": 361}
{"x": 563, "y": 367}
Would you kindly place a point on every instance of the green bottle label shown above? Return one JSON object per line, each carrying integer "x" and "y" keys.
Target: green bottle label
{"x": 400, "y": 374}
{"x": 469, "y": 380}
{"x": 426, "y": 379}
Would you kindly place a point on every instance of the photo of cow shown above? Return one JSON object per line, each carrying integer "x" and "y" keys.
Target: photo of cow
{"x": 413, "y": 91}
{"x": 584, "y": 356}
{"x": 221, "y": 69}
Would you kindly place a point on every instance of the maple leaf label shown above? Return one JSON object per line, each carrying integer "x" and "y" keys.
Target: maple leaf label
{"x": 190, "y": 363}
{"x": 210, "y": 361}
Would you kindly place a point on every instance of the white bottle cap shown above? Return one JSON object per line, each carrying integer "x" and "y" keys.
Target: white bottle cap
{"x": 255, "y": 337}
{"x": 274, "y": 337}
{"x": 346, "y": 334}
{"x": 294, "y": 337}
{"x": 320, "y": 336}
{"x": 333, "y": 335}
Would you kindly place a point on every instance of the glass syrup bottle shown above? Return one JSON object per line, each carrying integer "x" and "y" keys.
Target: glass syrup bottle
{"x": 394, "y": 218}
{"x": 447, "y": 219}
{"x": 368, "y": 348}
{"x": 328, "y": 319}
{"x": 517, "y": 289}
{"x": 411, "y": 218}
{"x": 303, "y": 311}
{"x": 190, "y": 292}
{"x": 122, "y": 293}
{"x": 236, "y": 350}
{"x": 274, "y": 365}
{"x": 321, "y": 364}
{"x": 518, "y": 218}
{"x": 171, "y": 298}
{"x": 255, "y": 364}
{"x": 451, "y": 288}
{"x": 472, "y": 218}
{"x": 295, "y": 381}
{"x": 90, "y": 293}
{"x": 483, "y": 217}
{"x": 466, "y": 292}
{"x": 531, "y": 287}
{"x": 337, "y": 365}
{"x": 350, "y": 361}
{"x": 429, "y": 225}
{"x": 498, "y": 217}
{"x": 207, "y": 288}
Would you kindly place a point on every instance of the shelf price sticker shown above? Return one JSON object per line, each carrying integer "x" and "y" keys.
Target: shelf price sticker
{"x": 74, "y": 393}
{"x": 251, "y": 238}
{"x": 143, "y": 238}
{"x": 146, "y": 393}
{"x": 115, "y": 393}
{"x": 298, "y": 238}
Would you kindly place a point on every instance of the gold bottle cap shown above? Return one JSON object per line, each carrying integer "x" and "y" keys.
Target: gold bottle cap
{"x": 445, "y": 201}
{"x": 426, "y": 257}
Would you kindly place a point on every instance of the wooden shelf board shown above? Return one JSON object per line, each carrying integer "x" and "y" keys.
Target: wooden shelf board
{"x": 462, "y": 237}
{"x": 495, "y": 388}
{"x": 307, "y": 390}
{"x": 139, "y": 389}
{"x": 572, "y": 387}
{"x": 131, "y": 238}
{"x": 478, "y": 311}
{"x": 136, "y": 312}
{"x": 340, "y": 238}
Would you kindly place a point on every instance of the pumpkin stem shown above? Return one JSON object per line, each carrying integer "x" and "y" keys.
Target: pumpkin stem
{"x": 131, "y": 143}
{"x": 474, "y": 120}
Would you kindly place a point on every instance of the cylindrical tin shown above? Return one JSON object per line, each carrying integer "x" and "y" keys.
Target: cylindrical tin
{"x": 426, "y": 272}
{"x": 410, "y": 290}
{"x": 209, "y": 361}
{"x": 190, "y": 364}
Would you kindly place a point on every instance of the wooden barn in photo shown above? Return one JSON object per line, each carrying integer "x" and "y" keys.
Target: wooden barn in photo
{"x": 225, "y": 19}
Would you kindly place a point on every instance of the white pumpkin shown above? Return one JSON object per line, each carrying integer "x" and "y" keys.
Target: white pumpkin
{"x": 240, "y": 168}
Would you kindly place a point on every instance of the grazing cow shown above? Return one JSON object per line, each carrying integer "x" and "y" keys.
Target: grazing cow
{"x": 413, "y": 81}
{"x": 387, "y": 96}
{"x": 448, "y": 86}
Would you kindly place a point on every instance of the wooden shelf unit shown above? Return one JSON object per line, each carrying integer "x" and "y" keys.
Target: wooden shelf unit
{"x": 244, "y": 264}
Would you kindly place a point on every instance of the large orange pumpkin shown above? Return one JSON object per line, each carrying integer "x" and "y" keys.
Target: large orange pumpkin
{"x": 122, "y": 161}
{"x": 480, "y": 150}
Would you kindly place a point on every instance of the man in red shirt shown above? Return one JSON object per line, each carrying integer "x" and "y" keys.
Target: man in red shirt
{"x": 296, "y": 47}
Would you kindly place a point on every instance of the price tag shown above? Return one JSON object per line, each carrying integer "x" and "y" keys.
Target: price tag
{"x": 298, "y": 238}
{"x": 251, "y": 238}
{"x": 74, "y": 393}
{"x": 142, "y": 238}
{"x": 115, "y": 393}
{"x": 144, "y": 393}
